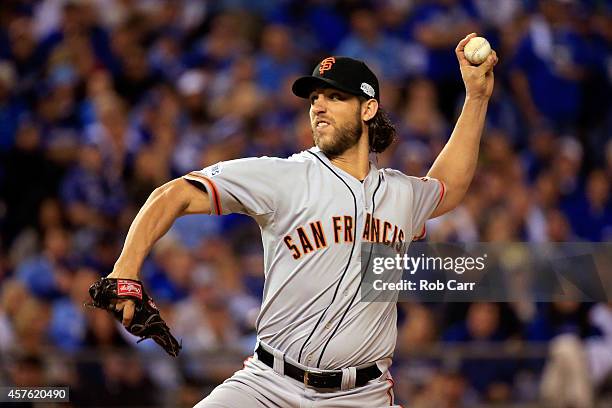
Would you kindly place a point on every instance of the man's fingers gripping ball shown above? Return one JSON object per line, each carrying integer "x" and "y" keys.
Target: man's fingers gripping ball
{"x": 127, "y": 300}
{"x": 490, "y": 62}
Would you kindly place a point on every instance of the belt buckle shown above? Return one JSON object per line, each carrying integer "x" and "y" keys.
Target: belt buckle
{"x": 311, "y": 375}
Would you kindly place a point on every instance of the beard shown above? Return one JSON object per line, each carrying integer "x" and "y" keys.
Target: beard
{"x": 343, "y": 138}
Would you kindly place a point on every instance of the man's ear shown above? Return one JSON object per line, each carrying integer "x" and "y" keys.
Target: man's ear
{"x": 369, "y": 109}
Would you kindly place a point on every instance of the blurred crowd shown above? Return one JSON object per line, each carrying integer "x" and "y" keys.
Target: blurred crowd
{"x": 101, "y": 101}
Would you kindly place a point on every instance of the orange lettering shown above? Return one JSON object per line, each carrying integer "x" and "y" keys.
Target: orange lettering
{"x": 317, "y": 232}
{"x": 306, "y": 245}
{"x": 375, "y": 230}
{"x": 292, "y": 247}
{"x": 337, "y": 227}
{"x": 386, "y": 227}
{"x": 348, "y": 228}
{"x": 366, "y": 228}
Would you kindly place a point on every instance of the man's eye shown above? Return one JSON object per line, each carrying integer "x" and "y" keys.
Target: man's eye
{"x": 336, "y": 96}
{"x": 313, "y": 99}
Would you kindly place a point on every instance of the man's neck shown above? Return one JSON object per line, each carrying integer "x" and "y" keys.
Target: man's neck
{"x": 355, "y": 161}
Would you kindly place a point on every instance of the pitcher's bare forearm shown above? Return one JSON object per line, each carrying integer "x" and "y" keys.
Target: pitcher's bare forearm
{"x": 456, "y": 163}
{"x": 168, "y": 202}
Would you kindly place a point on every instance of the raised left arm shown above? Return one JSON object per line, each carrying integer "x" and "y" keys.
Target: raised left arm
{"x": 456, "y": 163}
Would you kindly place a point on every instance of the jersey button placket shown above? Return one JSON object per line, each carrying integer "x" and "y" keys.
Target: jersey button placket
{"x": 366, "y": 205}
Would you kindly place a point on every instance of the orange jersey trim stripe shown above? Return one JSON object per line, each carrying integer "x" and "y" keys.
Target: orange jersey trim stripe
{"x": 421, "y": 235}
{"x": 212, "y": 189}
{"x": 246, "y": 361}
{"x": 390, "y": 391}
{"x": 442, "y": 193}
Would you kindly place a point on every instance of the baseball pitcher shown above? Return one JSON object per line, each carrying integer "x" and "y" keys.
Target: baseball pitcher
{"x": 318, "y": 346}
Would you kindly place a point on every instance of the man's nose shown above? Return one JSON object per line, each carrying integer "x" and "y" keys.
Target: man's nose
{"x": 319, "y": 104}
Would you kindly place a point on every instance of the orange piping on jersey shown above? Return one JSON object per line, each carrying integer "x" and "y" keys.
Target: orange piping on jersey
{"x": 442, "y": 192}
{"x": 389, "y": 391}
{"x": 247, "y": 360}
{"x": 424, "y": 230}
{"x": 421, "y": 235}
{"x": 213, "y": 188}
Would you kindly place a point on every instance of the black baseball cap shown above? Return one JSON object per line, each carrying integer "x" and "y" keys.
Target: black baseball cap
{"x": 343, "y": 73}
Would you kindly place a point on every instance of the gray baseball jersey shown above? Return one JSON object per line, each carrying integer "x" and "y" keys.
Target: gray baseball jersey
{"x": 313, "y": 218}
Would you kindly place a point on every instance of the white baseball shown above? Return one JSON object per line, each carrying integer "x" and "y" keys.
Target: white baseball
{"x": 477, "y": 50}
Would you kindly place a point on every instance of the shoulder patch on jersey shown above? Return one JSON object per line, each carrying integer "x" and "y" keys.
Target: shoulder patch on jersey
{"x": 212, "y": 171}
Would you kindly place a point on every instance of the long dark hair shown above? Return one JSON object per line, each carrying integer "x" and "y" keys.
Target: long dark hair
{"x": 381, "y": 131}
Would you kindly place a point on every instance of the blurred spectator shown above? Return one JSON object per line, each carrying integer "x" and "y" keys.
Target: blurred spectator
{"x": 169, "y": 274}
{"x": 549, "y": 65}
{"x": 113, "y": 135}
{"x": 203, "y": 319}
{"x": 558, "y": 227}
{"x": 562, "y": 317}
{"x": 31, "y": 322}
{"x": 67, "y": 327}
{"x": 23, "y": 51}
{"x": 102, "y": 331}
{"x": 12, "y": 296}
{"x": 26, "y": 161}
{"x": 11, "y": 108}
{"x": 421, "y": 118}
{"x": 482, "y": 327}
{"x": 366, "y": 41}
{"x": 135, "y": 77}
{"x": 577, "y": 370}
{"x": 418, "y": 330}
{"x": 276, "y": 62}
{"x": 48, "y": 276}
{"x": 444, "y": 390}
{"x": 122, "y": 382}
{"x": 236, "y": 93}
{"x": 28, "y": 371}
{"x": 590, "y": 214}
{"x": 223, "y": 43}
{"x": 437, "y": 25}
{"x": 90, "y": 196}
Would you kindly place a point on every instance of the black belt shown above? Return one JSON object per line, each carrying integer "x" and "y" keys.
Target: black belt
{"x": 319, "y": 379}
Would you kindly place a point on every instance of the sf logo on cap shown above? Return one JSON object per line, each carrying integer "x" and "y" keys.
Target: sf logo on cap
{"x": 326, "y": 64}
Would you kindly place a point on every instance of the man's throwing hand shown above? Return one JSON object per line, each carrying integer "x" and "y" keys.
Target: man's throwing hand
{"x": 478, "y": 80}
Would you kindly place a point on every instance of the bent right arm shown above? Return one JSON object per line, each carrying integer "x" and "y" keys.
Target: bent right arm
{"x": 165, "y": 204}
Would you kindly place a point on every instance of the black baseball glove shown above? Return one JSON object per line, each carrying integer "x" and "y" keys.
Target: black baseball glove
{"x": 146, "y": 323}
